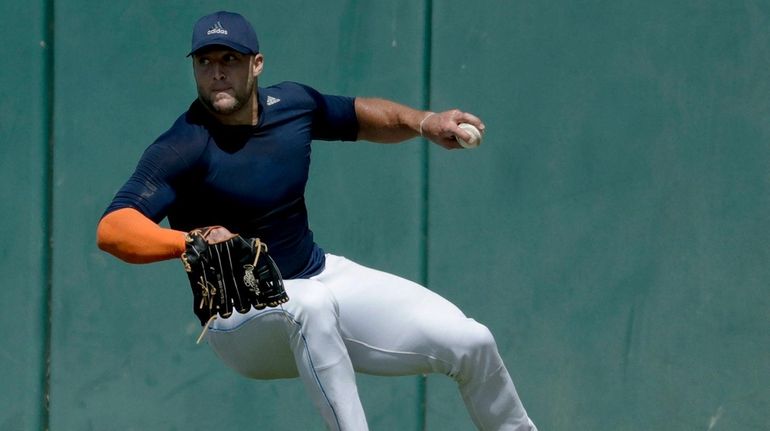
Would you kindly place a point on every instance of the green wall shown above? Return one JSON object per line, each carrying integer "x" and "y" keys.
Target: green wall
{"x": 24, "y": 192}
{"x": 612, "y": 231}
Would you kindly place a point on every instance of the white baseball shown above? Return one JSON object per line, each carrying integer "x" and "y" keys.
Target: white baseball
{"x": 475, "y": 140}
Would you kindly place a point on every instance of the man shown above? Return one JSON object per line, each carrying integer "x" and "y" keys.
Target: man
{"x": 239, "y": 159}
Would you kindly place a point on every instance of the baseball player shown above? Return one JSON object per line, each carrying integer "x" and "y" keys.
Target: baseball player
{"x": 236, "y": 163}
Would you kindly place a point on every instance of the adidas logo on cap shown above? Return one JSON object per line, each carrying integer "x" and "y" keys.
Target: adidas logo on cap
{"x": 217, "y": 29}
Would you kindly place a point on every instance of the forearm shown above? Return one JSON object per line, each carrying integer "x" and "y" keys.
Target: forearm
{"x": 384, "y": 121}
{"x": 130, "y": 236}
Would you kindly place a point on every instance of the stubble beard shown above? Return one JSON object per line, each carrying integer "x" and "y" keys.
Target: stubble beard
{"x": 229, "y": 103}
{"x": 223, "y": 105}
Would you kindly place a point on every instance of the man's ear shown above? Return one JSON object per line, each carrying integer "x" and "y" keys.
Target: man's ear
{"x": 259, "y": 62}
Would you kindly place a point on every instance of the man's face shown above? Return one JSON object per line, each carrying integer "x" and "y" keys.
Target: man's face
{"x": 226, "y": 79}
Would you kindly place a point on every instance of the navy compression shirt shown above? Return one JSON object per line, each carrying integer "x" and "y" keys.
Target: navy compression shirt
{"x": 249, "y": 179}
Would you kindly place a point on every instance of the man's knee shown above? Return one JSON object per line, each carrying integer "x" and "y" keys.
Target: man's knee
{"x": 479, "y": 357}
{"x": 478, "y": 337}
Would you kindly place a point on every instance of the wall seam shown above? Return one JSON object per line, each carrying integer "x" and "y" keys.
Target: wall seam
{"x": 47, "y": 44}
{"x": 425, "y": 192}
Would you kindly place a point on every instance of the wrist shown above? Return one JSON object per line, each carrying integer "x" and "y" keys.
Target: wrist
{"x": 422, "y": 123}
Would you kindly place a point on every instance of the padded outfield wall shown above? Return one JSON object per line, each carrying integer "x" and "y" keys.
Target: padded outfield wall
{"x": 612, "y": 231}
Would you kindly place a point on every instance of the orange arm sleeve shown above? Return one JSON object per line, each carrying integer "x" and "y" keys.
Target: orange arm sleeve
{"x": 130, "y": 236}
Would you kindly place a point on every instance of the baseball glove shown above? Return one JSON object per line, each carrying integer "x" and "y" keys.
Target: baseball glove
{"x": 227, "y": 271}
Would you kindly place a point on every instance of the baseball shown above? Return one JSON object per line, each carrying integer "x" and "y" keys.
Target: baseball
{"x": 475, "y": 140}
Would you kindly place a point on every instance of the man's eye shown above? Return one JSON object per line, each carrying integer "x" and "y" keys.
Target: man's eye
{"x": 203, "y": 61}
{"x": 230, "y": 58}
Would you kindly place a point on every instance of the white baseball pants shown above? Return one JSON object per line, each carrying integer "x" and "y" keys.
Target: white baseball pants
{"x": 349, "y": 319}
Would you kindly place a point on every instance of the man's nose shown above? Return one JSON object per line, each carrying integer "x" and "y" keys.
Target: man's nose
{"x": 217, "y": 71}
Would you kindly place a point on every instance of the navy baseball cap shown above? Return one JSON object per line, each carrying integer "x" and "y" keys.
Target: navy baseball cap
{"x": 224, "y": 28}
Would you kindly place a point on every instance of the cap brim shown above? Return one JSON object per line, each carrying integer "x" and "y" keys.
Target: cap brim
{"x": 220, "y": 42}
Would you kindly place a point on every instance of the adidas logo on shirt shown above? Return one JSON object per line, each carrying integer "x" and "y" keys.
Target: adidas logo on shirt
{"x": 272, "y": 100}
{"x": 217, "y": 29}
